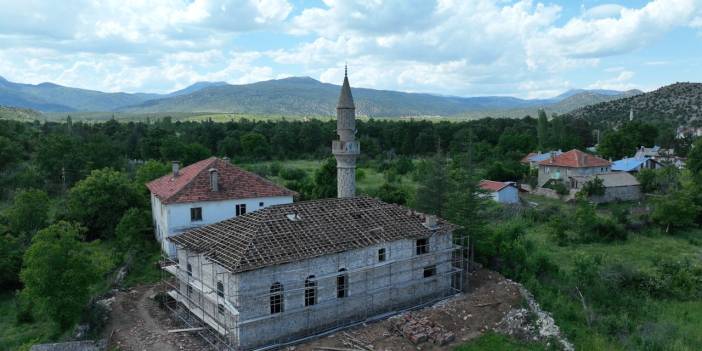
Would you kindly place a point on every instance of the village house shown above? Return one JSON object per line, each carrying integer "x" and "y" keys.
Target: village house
{"x": 502, "y": 192}
{"x": 572, "y": 163}
{"x": 618, "y": 186}
{"x": 207, "y": 192}
{"x": 285, "y": 272}
{"x": 635, "y": 164}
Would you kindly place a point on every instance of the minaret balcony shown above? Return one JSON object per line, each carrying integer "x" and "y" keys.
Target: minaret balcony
{"x": 346, "y": 147}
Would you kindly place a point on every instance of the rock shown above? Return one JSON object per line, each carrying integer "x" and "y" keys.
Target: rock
{"x": 418, "y": 338}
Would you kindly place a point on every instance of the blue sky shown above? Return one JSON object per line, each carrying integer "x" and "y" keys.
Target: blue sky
{"x": 522, "y": 48}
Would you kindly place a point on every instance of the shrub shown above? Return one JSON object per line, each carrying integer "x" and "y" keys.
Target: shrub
{"x": 291, "y": 173}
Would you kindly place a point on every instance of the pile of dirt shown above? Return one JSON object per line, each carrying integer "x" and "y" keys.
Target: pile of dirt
{"x": 443, "y": 325}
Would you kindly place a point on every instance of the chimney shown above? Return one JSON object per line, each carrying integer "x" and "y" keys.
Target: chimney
{"x": 430, "y": 221}
{"x": 214, "y": 180}
{"x": 176, "y": 168}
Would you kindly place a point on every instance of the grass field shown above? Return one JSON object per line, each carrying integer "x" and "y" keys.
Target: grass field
{"x": 653, "y": 321}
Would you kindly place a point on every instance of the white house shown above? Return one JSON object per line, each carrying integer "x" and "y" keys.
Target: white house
{"x": 207, "y": 192}
{"x": 502, "y": 192}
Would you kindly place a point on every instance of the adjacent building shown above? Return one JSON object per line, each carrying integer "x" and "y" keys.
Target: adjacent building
{"x": 635, "y": 164}
{"x": 569, "y": 164}
{"x": 533, "y": 158}
{"x": 618, "y": 186}
{"x": 289, "y": 271}
{"x": 207, "y": 192}
{"x": 502, "y": 192}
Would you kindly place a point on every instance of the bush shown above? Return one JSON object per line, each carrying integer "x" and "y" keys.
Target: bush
{"x": 291, "y": 173}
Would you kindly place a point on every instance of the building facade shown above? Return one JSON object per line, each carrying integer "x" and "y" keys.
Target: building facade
{"x": 573, "y": 163}
{"x": 312, "y": 285}
{"x": 502, "y": 192}
{"x": 207, "y": 192}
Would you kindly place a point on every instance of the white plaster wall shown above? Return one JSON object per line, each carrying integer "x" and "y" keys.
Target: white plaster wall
{"x": 173, "y": 219}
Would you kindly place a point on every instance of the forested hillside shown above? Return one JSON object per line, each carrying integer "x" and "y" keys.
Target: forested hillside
{"x": 675, "y": 104}
{"x": 300, "y": 96}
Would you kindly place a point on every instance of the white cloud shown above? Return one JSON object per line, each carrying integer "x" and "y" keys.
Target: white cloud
{"x": 620, "y": 82}
{"x": 459, "y": 47}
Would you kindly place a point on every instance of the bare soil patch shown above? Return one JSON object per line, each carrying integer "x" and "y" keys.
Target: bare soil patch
{"x": 137, "y": 323}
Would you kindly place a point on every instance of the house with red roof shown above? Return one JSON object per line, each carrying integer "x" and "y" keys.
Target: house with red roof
{"x": 570, "y": 164}
{"x": 206, "y": 192}
{"x": 502, "y": 192}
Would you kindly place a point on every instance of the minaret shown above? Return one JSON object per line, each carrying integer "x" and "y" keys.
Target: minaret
{"x": 346, "y": 149}
{"x": 631, "y": 114}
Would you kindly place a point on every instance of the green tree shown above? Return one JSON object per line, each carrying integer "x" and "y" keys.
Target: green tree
{"x": 255, "y": 145}
{"x": 99, "y": 201}
{"x": 9, "y": 152}
{"x": 133, "y": 230}
{"x": 593, "y": 187}
{"x": 541, "y": 129}
{"x": 391, "y": 193}
{"x": 433, "y": 187}
{"x": 11, "y": 250}
{"x": 675, "y": 211}
{"x": 149, "y": 171}
{"x": 57, "y": 273}
{"x": 325, "y": 180}
{"x": 694, "y": 160}
{"x": 29, "y": 212}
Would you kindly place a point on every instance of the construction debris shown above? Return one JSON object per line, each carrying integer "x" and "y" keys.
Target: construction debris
{"x": 419, "y": 330}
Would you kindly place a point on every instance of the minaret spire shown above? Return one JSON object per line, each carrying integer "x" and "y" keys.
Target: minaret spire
{"x": 346, "y": 149}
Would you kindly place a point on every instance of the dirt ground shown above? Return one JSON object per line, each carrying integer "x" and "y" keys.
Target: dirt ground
{"x": 137, "y": 323}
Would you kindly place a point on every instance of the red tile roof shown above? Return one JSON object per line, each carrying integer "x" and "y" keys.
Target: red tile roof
{"x": 576, "y": 159}
{"x": 193, "y": 184}
{"x": 491, "y": 185}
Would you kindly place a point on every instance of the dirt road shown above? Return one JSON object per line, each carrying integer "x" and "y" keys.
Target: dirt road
{"x": 137, "y": 324}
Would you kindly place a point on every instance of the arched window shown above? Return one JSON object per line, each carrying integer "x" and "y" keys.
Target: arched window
{"x": 276, "y": 298}
{"x": 310, "y": 291}
{"x": 342, "y": 287}
{"x": 220, "y": 289}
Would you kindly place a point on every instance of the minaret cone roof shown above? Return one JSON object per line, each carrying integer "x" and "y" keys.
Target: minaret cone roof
{"x": 345, "y": 98}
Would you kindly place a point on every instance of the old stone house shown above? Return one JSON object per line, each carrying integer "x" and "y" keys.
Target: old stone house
{"x": 618, "y": 186}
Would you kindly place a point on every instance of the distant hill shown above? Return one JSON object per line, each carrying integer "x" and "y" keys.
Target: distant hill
{"x": 289, "y": 96}
{"x": 566, "y": 102}
{"x": 678, "y": 103}
{"x": 49, "y": 97}
{"x": 21, "y": 114}
{"x": 306, "y": 96}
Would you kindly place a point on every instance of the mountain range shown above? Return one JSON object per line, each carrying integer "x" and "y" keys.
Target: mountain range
{"x": 288, "y": 96}
{"x": 679, "y": 104}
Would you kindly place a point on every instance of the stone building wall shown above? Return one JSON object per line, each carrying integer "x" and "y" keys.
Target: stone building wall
{"x": 374, "y": 288}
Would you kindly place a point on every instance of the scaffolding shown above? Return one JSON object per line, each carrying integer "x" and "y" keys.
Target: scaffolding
{"x": 199, "y": 302}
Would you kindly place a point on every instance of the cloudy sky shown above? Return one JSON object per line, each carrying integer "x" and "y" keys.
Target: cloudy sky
{"x": 457, "y": 47}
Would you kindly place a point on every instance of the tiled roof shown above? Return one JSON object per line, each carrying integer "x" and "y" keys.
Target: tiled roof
{"x": 292, "y": 232}
{"x": 537, "y": 157}
{"x": 491, "y": 185}
{"x": 193, "y": 184}
{"x": 575, "y": 159}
